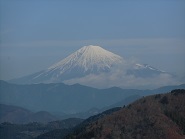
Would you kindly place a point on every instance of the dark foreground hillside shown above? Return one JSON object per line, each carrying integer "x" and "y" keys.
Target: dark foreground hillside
{"x": 160, "y": 116}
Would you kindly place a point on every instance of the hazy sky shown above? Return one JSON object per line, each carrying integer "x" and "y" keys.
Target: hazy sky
{"x": 34, "y": 34}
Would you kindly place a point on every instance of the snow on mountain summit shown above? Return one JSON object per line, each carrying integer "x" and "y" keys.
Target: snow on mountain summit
{"x": 88, "y": 58}
{"x": 146, "y": 66}
{"x": 96, "y": 67}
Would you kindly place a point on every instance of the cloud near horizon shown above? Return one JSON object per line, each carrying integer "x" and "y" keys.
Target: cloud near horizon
{"x": 118, "y": 77}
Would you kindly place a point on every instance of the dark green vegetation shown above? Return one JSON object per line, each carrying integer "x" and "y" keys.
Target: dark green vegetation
{"x": 34, "y": 130}
{"x": 160, "y": 116}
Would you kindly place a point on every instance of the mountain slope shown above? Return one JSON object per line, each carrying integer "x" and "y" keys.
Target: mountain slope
{"x": 60, "y": 98}
{"x": 96, "y": 67}
{"x": 145, "y": 71}
{"x": 87, "y": 60}
{"x": 18, "y": 115}
{"x": 13, "y": 114}
{"x": 34, "y": 130}
{"x": 92, "y": 59}
{"x": 159, "y": 116}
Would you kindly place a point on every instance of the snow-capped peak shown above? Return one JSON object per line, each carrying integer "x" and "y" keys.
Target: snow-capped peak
{"x": 88, "y": 58}
{"x": 93, "y": 66}
{"x": 146, "y": 66}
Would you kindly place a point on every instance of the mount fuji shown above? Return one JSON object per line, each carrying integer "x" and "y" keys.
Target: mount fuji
{"x": 92, "y": 66}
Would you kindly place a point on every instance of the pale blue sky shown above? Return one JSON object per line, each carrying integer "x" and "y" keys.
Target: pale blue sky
{"x": 37, "y": 33}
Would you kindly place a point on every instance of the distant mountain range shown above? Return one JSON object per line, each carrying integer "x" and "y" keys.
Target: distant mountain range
{"x": 96, "y": 67}
{"x": 159, "y": 116}
{"x": 61, "y": 99}
{"x": 18, "y": 115}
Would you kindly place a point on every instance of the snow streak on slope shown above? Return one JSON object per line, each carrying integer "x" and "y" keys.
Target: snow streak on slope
{"x": 88, "y": 58}
{"x": 146, "y": 66}
{"x": 96, "y": 67}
